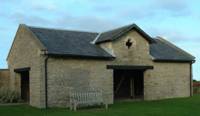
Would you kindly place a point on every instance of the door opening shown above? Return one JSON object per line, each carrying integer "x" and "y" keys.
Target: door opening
{"x": 128, "y": 84}
{"x": 25, "y": 86}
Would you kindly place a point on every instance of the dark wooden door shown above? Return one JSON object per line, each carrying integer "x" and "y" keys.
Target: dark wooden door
{"x": 139, "y": 84}
{"x": 25, "y": 89}
{"x": 128, "y": 84}
{"x": 121, "y": 84}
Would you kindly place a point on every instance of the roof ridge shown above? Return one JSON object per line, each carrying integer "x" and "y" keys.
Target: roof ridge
{"x": 124, "y": 30}
{"x": 58, "y": 29}
{"x": 95, "y": 39}
{"x": 174, "y": 46}
{"x": 117, "y": 34}
{"x": 118, "y": 28}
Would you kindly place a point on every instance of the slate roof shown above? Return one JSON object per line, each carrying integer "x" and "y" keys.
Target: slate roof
{"x": 79, "y": 44}
{"x": 163, "y": 50}
{"x": 69, "y": 43}
{"x": 117, "y": 33}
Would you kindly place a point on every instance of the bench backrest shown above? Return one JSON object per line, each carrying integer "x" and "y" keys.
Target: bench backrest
{"x": 86, "y": 97}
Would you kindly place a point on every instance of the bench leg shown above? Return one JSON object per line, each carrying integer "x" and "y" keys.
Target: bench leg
{"x": 71, "y": 106}
{"x": 106, "y": 106}
{"x": 75, "y": 106}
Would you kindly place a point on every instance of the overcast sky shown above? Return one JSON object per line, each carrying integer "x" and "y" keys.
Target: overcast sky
{"x": 176, "y": 20}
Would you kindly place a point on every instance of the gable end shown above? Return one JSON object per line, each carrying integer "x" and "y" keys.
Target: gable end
{"x": 119, "y": 32}
{"x": 36, "y": 40}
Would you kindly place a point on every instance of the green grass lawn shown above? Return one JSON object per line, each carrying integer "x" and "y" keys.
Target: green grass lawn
{"x": 170, "y": 107}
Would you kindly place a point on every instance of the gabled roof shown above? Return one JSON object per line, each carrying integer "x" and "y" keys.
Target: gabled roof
{"x": 79, "y": 44}
{"x": 69, "y": 43}
{"x": 117, "y": 33}
{"x": 163, "y": 50}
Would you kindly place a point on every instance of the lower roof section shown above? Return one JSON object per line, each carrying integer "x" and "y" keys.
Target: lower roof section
{"x": 129, "y": 67}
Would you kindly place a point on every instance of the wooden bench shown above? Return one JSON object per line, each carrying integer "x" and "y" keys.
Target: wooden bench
{"x": 86, "y": 98}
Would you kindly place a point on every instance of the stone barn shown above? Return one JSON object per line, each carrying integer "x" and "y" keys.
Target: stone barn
{"x": 125, "y": 63}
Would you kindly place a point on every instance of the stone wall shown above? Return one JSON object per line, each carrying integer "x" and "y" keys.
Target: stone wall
{"x": 83, "y": 73}
{"x": 78, "y": 75}
{"x": 26, "y": 52}
{"x": 4, "y": 78}
{"x": 137, "y": 54}
{"x": 167, "y": 80}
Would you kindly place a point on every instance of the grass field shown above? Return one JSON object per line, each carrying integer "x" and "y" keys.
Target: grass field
{"x": 170, "y": 107}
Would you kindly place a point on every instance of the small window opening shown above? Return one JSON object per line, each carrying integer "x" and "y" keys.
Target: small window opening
{"x": 129, "y": 43}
